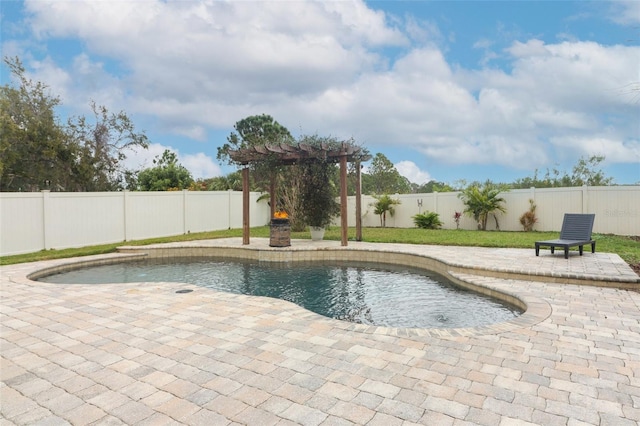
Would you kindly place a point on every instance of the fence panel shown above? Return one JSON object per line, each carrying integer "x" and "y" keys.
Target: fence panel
{"x": 448, "y": 204}
{"x": 408, "y": 207}
{"x": 72, "y": 219}
{"x": 617, "y": 209}
{"x": 154, "y": 214}
{"x": 207, "y": 211}
{"x": 553, "y": 203}
{"x": 21, "y": 222}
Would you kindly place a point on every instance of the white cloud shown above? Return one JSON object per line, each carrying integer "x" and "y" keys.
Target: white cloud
{"x": 611, "y": 147}
{"x": 411, "y": 171}
{"x": 317, "y": 66}
{"x": 138, "y": 158}
{"x": 626, "y": 12}
{"x": 483, "y": 43}
{"x": 200, "y": 165}
{"x": 219, "y": 49}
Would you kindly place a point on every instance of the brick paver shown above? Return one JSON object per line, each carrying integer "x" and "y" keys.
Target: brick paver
{"x": 142, "y": 354}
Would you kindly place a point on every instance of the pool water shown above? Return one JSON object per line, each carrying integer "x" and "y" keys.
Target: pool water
{"x": 391, "y": 296}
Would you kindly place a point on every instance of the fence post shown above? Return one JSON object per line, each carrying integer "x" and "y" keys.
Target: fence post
{"x": 184, "y": 211}
{"x": 124, "y": 214}
{"x": 230, "y": 192}
{"x": 125, "y": 206}
{"x": 585, "y": 196}
{"x": 45, "y": 218}
{"x": 435, "y": 202}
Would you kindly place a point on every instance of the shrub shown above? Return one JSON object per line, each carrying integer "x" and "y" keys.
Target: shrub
{"x": 456, "y": 218}
{"x": 528, "y": 218}
{"x": 427, "y": 220}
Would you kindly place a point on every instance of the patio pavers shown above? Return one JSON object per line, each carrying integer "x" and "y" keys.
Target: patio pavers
{"x": 142, "y": 354}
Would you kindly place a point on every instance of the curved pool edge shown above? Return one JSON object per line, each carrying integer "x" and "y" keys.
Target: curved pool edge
{"x": 505, "y": 274}
{"x": 535, "y": 309}
{"x": 64, "y": 265}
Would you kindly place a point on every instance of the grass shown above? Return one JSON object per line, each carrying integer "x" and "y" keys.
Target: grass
{"x": 627, "y": 248}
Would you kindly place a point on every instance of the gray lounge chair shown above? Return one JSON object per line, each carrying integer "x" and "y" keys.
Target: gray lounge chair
{"x": 576, "y": 231}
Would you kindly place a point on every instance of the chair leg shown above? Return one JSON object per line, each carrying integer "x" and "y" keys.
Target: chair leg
{"x": 593, "y": 247}
{"x": 580, "y": 248}
{"x": 552, "y": 249}
{"x": 537, "y": 250}
{"x": 566, "y": 252}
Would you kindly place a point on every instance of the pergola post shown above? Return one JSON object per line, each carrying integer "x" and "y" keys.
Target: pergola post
{"x": 245, "y": 206}
{"x": 272, "y": 195}
{"x": 344, "y": 223}
{"x": 358, "y": 203}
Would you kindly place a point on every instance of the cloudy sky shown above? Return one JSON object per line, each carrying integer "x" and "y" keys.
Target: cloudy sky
{"x": 447, "y": 90}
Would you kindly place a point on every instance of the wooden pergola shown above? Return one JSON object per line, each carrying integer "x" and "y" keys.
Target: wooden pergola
{"x": 284, "y": 154}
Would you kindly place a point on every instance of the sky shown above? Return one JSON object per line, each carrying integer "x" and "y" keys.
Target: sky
{"x": 447, "y": 90}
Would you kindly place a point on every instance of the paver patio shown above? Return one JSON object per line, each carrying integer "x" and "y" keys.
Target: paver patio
{"x": 143, "y": 354}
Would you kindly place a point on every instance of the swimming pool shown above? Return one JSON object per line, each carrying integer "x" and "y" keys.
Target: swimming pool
{"x": 359, "y": 292}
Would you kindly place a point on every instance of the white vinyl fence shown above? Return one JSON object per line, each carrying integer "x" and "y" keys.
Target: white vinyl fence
{"x": 35, "y": 221}
{"x": 617, "y": 209}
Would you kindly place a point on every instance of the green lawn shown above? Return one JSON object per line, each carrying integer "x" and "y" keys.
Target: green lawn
{"x": 626, "y": 247}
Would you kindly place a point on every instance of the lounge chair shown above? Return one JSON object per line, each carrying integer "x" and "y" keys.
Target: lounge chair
{"x": 576, "y": 231}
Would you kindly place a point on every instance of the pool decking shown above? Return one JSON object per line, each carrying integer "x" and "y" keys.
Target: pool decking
{"x": 143, "y": 354}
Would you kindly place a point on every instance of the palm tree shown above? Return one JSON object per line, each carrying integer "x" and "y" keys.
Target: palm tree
{"x": 483, "y": 200}
{"x": 383, "y": 205}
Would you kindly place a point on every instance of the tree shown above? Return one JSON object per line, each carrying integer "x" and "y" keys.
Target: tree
{"x": 37, "y": 152}
{"x": 34, "y": 154}
{"x": 256, "y": 130}
{"x": 384, "y": 204}
{"x": 584, "y": 172}
{"x": 481, "y": 201}
{"x": 434, "y": 186}
{"x": 383, "y": 178}
{"x": 232, "y": 181}
{"x": 102, "y": 146}
{"x": 167, "y": 175}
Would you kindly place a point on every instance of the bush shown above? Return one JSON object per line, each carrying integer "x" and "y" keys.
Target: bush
{"x": 427, "y": 220}
{"x": 528, "y": 218}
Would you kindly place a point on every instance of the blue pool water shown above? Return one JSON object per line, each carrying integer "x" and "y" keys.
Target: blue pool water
{"x": 389, "y": 296}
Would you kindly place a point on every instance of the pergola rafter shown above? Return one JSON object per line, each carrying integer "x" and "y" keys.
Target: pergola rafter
{"x": 285, "y": 154}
